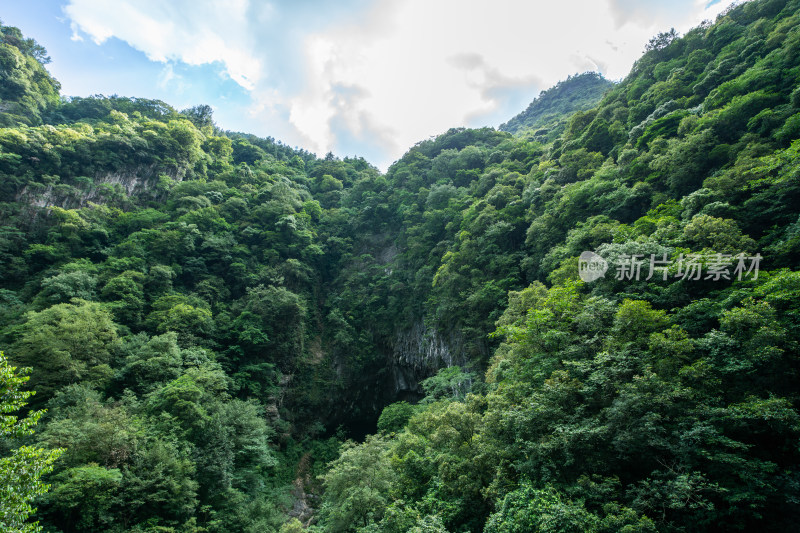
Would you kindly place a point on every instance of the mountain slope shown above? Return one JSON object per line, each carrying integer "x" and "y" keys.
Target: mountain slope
{"x": 621, "y": 404}
{"x": 548, "y": 110}
{"x": 26, "y": 88}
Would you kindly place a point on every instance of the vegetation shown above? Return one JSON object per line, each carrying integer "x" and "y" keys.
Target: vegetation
{"x": 22, "y": 469}
{"x": 232, "y": 335}
{"x": 546, "y": 116}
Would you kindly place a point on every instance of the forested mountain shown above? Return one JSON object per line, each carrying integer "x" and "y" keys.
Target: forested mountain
{"x": 547, "y": 114}
{"x": 231, "y": 335}
{"x": 26, "y": 88}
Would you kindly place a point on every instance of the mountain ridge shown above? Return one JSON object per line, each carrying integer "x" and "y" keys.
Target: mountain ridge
{"x": 554, "y": 105}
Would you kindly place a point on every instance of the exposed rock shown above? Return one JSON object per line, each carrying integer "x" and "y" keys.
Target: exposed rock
{"x": 301, "y": 500}
{"x": 419, "y": 352}
{"x": 133, "y": 183}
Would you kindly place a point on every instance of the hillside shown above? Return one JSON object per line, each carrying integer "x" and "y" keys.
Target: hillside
{"x": 546, "y": 115}
{"x": 26, "y": 88}
{"x": 232, "y": 335}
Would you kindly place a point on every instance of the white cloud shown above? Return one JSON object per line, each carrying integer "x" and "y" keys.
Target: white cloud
{"x": 679, "y": 13}
{"x": 196, "y": 33}
{"x": 446, "y": 63}
{"x": 167, "y": 75}
{"x": 169, "y": 80}
{"x": 398, "y": 71}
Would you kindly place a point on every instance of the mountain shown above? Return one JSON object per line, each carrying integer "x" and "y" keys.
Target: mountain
{"x": 593, "y": 328}
{"x": 554, "y": 105}
{"x": 26, "y": 88}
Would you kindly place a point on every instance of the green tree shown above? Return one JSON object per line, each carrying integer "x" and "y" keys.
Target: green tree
{"x": 394, "y": 417}
{"x": 357, "y": 486}
{"x": 531, "y": 510}
{"x": 83, "y": 497}
{"x": 67, "y": 343}
{"x": 22, "y": 469}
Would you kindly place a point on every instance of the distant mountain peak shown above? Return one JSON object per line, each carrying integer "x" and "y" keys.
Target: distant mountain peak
{"x": 554, "y": 105}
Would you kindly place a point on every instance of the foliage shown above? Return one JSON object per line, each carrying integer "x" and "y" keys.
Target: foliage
{"x": 576, "y": 93}
{"x": 26, "y": 88}
{"x": 21, "y": 469}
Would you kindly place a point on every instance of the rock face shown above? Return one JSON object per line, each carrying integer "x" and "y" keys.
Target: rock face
{"x": 418, "y": 353}
{"x": 134, "y": 183}
{"x": 413, "y": 355}
{"x": 302, "y": 499}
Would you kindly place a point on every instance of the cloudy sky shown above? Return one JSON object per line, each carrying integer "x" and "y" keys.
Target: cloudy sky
{"x": 356, "y": 77}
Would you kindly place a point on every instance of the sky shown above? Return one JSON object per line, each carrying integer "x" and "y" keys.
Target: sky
{"x": 365, "y": 78}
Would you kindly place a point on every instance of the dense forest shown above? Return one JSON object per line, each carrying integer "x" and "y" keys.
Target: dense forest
{"x": 546, "y": 117}
{"x": 207, "y": 331}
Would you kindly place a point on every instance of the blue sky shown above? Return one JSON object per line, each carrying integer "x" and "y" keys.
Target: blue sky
{"x": 356, "y": 77}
